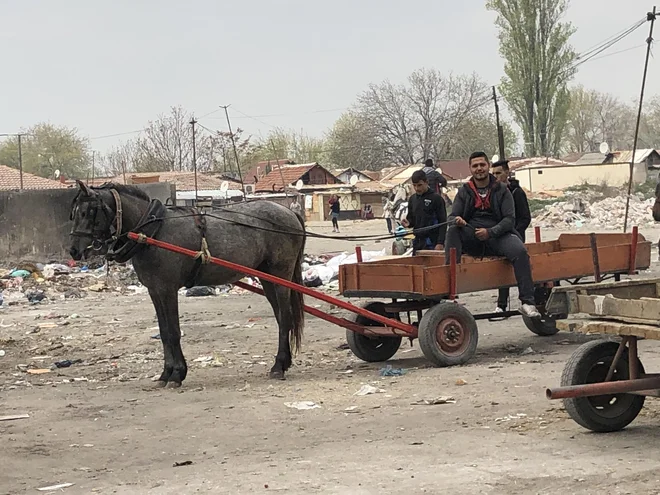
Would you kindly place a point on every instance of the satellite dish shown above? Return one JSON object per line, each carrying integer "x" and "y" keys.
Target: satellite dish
{"x": 299, "y": 185}
{"x": 224, "y": 186}
{"x": 57, "y": 173}
{"x": 495, "y": 158}
{"x": 604, "y": 148}
{"x": 353, "y": 180}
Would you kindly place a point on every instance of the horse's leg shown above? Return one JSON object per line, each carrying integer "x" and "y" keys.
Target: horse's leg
{"x": 283, "y": 359}
{"x": 167, "y": 310}
{"x": 270, "y": 291}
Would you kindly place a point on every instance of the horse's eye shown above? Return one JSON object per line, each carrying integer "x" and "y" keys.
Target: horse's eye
{"x": 82, "y": 214}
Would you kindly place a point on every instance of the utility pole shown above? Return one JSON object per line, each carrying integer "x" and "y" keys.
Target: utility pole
{"x": 93, "y": 160}
{"x": 194, "y": 153}
{"x": 500, "y": 131}
{"x": 650, "y": 16}
{"x": 20, "y": 159}
{"x": 233, "y": 143}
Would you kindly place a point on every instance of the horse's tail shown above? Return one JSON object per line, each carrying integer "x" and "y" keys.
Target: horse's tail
{"x": 297, "y": 298}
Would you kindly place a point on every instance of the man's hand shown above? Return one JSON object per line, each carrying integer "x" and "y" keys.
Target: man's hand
{"x": 482, "y": 234}
{"x": 439, "y": 247}
{"x": 405, "y": 223}
{"x": 460, "y": 222}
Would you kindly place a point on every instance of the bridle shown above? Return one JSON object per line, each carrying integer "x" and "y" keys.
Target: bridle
{"x": 100, "y": 236}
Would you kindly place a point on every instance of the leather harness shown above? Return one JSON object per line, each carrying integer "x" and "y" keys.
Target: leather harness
{"x": 121, "y": 248}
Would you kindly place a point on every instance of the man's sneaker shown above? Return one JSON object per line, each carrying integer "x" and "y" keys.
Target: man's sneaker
{"x": 499, "y": 316}
{"x": 530, "y": 311}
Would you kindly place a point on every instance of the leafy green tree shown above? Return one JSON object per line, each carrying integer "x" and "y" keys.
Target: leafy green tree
{"x": 47, "y": 148}
{"x": 534, "y": 43}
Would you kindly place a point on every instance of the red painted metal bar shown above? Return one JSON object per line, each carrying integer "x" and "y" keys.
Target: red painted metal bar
{"x": 342, "y": 322}
{"x": 594, "y": 257}
{"x": 633, "y": 250}
{"x": 604, "y": 388}
{"x": 452, "y": 274}
{"x": 537, "y": 234}
{"x": 358, "y": 253}
{"x": 407, "y": 329}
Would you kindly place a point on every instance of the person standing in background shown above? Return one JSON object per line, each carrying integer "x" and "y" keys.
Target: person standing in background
{"x": 334, "y": 212}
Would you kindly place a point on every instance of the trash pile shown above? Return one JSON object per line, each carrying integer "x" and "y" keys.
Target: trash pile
{"x": 35, "y": 282}
{"x": 325, "y": 272}
{"x": 605, "y": 213}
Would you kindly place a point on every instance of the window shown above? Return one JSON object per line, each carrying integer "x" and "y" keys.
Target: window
{"x": 540, "y": 172}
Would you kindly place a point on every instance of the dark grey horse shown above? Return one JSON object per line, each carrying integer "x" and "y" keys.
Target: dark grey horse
{"x": 262, "y": 235}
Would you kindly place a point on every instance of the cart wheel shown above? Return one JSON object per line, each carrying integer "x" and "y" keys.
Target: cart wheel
{"x": 603, "y": 413}
{"x": 448, "y": 334}
{"x": 373, "y": 349}
{"x": 544, "y": 326}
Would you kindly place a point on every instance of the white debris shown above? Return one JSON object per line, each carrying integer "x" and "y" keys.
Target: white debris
{"x": 302, "y": 405}
{"x": 607, "y": 213}
{"x": 368, "y": 390}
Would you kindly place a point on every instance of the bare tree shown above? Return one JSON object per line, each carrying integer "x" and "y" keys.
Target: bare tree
{"x": 430, "y": 116}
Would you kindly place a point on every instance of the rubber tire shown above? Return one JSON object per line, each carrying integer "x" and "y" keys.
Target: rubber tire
{"x": 428, "y": 339}
{"x": 581, "y": 409}
{"x": 373, "y": 349}
{"x": 540, "y": 327}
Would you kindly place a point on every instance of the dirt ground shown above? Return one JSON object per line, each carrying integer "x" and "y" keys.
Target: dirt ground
{"x": 101, "y": 425}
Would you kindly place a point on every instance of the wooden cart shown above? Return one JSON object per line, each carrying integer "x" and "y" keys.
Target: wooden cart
{"x": 428, "y": 287}
{"x": 604, "y": 383}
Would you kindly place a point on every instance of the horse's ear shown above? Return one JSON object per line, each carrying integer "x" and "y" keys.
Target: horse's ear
{"x": 84, "y": 188}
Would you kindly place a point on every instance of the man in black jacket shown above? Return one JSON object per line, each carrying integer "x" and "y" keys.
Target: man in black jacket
{"x": 501, "y": 172}
{"x": 426, "y": 208}
{"x": 484, "y": 224}
{"x": 435, "y": 179}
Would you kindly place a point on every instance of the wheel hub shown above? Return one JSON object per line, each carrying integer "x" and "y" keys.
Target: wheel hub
{"x": 451, "y": 335}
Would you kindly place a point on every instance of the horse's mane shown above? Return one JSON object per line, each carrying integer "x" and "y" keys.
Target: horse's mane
{"x": 134, "y": 191}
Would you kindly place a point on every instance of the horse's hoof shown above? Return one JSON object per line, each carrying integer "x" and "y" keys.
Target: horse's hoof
{"x": 160, "y": 384}
{"x": 173, "y": 384}
{"x": 277, "y": 375}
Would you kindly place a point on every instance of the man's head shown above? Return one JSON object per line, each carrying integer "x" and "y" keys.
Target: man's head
{"x": 479, "y": 165}
{"x": 420, "y": 182}
{"x": 428, "y": 163}
{"x": 500, "y": 170}
{"x": 295, "y": 199}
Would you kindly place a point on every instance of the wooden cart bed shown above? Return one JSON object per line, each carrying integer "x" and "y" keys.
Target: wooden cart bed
{"x": 426, "y": 275}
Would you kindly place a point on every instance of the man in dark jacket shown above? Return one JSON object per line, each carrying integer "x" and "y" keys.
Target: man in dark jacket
{"x": 501, "y": 172}
{"x": 436, "y": 180}
{"x": 484, "y": 224}
{"x": 426, "y": 208}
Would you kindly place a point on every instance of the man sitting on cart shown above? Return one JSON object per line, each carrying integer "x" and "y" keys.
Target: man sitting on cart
{"x": 426, "y": 208}
{"x": 483, "y": 217}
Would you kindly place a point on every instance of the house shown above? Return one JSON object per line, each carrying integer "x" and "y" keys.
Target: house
{"x": 10, "y": 180}
{"x": 263, "y": 168}
{"x": 649, "y": 157}
{"x": 312, "y": 175}
{"x": 345, "y": 175}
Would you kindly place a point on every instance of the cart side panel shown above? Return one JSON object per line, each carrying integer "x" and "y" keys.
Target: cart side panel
{"x": 379, "y": 277}
{"x": 583, "y": 241}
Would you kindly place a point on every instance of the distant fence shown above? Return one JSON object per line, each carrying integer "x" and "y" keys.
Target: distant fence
{"x": 35, "y": 225}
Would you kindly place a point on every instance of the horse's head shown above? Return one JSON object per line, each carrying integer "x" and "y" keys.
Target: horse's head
{"x": 92, "y": 222}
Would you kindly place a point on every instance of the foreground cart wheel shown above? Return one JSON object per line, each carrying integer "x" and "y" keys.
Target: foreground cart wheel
{"x": 603, "y": 413}
{"x": 373, "y": 349}
{"x": 448, "y": 334}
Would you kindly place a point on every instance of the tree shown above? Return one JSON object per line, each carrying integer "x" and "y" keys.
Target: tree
{"x": 538, "y": 65}
{"x": 433, "y": 115}
{"x": 47, "y": 148}
{"x": 594, "y": 118}
{"x": 353, "y": 142}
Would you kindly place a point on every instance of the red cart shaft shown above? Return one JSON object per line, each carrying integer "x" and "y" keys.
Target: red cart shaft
{"x": 389, "y": 322}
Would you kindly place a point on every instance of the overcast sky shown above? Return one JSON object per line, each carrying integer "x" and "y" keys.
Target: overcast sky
{"x": 107, "y": 67}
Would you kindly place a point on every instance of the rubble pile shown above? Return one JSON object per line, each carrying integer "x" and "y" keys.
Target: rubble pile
{"x": 586, "y": 210}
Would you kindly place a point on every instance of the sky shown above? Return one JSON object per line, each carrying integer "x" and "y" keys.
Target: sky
{"x": 107, "y": 67}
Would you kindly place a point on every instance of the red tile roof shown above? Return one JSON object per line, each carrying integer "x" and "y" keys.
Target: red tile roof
{"x": 184, "y": 181}
{"x": 10, "y": 179}
{"x": 260, "y": 170}
{"x": 290, "y": 173}
{"x": 454, "y": 169}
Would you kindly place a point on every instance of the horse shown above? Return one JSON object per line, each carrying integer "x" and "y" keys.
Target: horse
{"x": 262, "y": 235}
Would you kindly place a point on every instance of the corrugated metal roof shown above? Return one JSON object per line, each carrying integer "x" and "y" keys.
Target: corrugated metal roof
{"x": 640, "y": 155}
{"x": 591, "y": 159}
{"x": 536, "y": 162}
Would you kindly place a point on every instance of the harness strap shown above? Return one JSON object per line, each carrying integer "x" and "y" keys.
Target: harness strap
{"x": 119, "y": 213}
{"x": 203, "y": 256}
